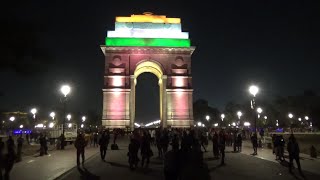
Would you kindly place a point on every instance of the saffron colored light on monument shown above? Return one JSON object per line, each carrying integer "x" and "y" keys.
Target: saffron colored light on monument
{"x": 148, "y": 17}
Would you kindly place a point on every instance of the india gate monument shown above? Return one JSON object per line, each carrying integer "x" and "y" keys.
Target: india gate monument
{"x": 147, "y": 44}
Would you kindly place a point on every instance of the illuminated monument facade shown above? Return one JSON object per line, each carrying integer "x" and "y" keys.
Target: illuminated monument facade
{"x": 154, "y": 44}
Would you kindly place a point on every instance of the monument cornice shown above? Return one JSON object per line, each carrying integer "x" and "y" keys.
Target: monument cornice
{"x": 147, "y": 50}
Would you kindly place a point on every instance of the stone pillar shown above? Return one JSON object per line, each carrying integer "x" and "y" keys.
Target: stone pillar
{"x": 164, "y": 101}
{"x": 132, "y": 101}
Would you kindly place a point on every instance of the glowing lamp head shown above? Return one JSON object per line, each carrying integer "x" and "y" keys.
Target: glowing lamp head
{"x": 259, "y": 110}
{"x": 246, "y": 124}
{"x": 33, "y": 111}
{"x": 21, "y": 126}
{"x": 222, "y": 116}
{"x": 239, "y": 113}
{"x": 299, "y": 119}
{"x": 69, "y": 125}
{"x": 82, "y": 125}
{"x": 83, "y": 118}
{"x": 52, "y": 114}
{"x": 265, "y": 117}
{"x": 290, "y": 115}
{"x": 65, "y": 90}
{"x": 12, "y": 118}
{"x": 253, "y": 90}
{"x": 207, "y": 117}
{"x": 199, "y": 124}
{"x": 306, "y": 118}
{"x": 69, "y": 117}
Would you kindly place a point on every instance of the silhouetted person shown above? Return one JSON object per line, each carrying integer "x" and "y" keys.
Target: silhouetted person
{"x": 19, "y": 147}
{"x": 9, "y": 158}
{"x": 28, "y": 138}
{"x": 62, "y": 141}
{"x": 133, "y": 153}
{"x": 103, "y": 142}
{"x": 164, "y": 141}
{"x": 254, "y": 141}
{"x": 80, "y": 144}
{"x": 222, "y": 145}
{"x": 158, "y": 143}
{"x": 239, "y": 143}
{"x": 171, "y": 162}
{"x": 115, "y": 136}
{"x": 203, "y": 141}
{"x": 146, "y": 152}
{"x": 293, "y": 150}
{"x": 2, "y": 157}
{"x": 43, "y": 145}
{"x": 215, "y": 145}
{"x": 95, "y": 139}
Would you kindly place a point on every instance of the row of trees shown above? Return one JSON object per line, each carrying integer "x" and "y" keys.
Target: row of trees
{"x": 306, "y": 104}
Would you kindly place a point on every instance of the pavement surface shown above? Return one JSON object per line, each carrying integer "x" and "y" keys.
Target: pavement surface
{"x": 238, "y": 166}
{"x": 50, "y": 166}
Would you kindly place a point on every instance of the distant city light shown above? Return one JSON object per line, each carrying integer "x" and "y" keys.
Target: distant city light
{"x": 199, "y": 123}
{"x": 239, "y": 113}
{"x": 136, "y": 124}
{"x": 290, "y": 115}
{"x": 39, "y": 126}
{"x": 216, "y": 124}
{"x": 21, "y": 126}
{"x": 51, "y": 125}
{"x": 207, "y": 117}
{"x": 12, "y": 118}
{"x": 52, "y": 114}
{"x": 306, "y": 118}
{"x": 246, "y": 124}
{"x": 82, "y": 125}
{"x": 69, "y": 117}
{"x": 69, "y": 125}
{"x": 299, "y": 119}
{"x": 83, "y": 118}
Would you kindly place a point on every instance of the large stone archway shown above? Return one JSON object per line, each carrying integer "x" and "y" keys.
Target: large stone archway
{"x": 132, "y": 49}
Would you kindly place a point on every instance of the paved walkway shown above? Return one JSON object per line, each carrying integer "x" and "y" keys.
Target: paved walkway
{"x": 48, "y": 166}
{"x": 239, "y": 166}
{"x": 307, "y": 163}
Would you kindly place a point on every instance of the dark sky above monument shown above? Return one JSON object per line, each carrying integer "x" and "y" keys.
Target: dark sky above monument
{"x": 274, "y": 44}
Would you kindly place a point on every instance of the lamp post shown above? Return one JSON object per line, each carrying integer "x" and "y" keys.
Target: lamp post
{"x": 65, "y": 90}
{"x": 254, "y": 91}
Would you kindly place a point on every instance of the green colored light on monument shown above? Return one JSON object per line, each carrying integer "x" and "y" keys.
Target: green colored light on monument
{"x": 159, "y": 42}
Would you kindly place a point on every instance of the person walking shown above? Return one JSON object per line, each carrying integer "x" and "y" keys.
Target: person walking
{"x": 133, "y": 153}
{"x": 215, "y": 145}
{"x": 95, "y": 139}
{"x": 19, "y": 148}
{"x": 254, "y": 141}
{"x": 171, "y": 162}
{"x": 294, "y": 151}
{"x": 222, "y": 146}
{"x": 146, "y": 151}
{"x": 80, "y": 146}
{"x": 28, "y": 138}
{"x": 203, "y": 140}
{"x": 103, "y": 142}
{"x": 9, "y": 158}
{"x": 239, "y": 142}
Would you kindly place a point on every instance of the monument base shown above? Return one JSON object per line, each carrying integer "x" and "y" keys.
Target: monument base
{"x": 181, "y": 123}
{"x": 107, "y": 123}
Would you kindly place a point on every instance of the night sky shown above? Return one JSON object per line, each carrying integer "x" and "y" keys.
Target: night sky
{"x": 275, "y": 44}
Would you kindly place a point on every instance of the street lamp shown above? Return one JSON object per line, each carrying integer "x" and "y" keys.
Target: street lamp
{"x": 69, "y": 117}
{"x": 65, "y": 90}
{"x": 52, "y": 115}
{"x": 12, "y": 118}
{"x": 199, "y": 123}
{"x": 299, "y": 119}
{"x": 306, "y": 118}
{"x": 83, "y": 118}
{"x": 290, "y": 115}
{"x": 265, "y": 117}
{"x": 254, "y": 91}
{"x": 222, "y": 116}
{"x": 259, "y": 110}
{"x": 34, "y": 111}
{"x": 21, "y": 126}
{"x": 82, "y": 125}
